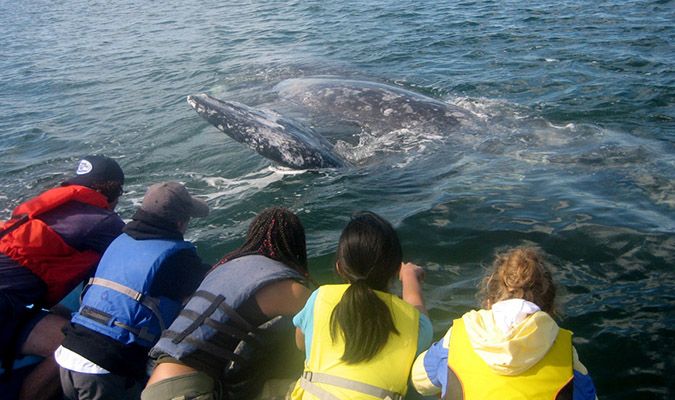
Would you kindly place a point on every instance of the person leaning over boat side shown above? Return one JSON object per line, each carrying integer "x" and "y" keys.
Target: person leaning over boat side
{"x": 513, "y": 349}
{"x": 51, "y": 243}
{"x": 138, "y": 289}
{"x": 200, "y": 355}
{"x": 360, "y": 340}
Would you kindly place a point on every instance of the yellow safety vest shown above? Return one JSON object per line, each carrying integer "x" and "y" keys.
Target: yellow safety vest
{"x": 544, "y": 380}
{"x": 385, "y": 376}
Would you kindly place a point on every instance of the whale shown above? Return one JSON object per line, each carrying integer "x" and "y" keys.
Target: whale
{"x": 281, "y": 139}
{"x": 373, "y": 107}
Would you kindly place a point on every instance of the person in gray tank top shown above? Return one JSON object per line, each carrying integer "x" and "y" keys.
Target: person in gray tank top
{"x": 228, "y": 338}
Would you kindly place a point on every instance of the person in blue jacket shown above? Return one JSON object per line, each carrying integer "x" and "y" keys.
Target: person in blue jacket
{"x": 137, "y": 291}
{"x": 51, "y": 243}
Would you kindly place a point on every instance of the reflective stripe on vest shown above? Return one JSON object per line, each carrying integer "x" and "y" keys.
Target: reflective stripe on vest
{"x": 36, "y": 246}
{"x": 542, "y": 381}
{"x": 384, "y": 376}
{"x": 211, "y": 310}
{"x": 309, "y": 380}
{"x": 117, "y": 304}
{"x": 147, "y": 301}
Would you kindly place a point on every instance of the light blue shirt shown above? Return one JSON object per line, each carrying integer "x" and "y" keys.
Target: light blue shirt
{"x": 305, "y": 321}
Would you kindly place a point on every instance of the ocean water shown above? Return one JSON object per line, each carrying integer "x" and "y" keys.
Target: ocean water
{"x": 570, "y": 147}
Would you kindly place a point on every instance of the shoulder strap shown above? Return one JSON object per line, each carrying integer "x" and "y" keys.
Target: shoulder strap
{"x": 145, "y": 300}
{"x": 14, "y": 225}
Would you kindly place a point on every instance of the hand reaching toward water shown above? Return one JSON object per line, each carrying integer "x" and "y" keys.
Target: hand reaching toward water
{"x": 411, "y": 277}
{"x": 409, "y": 270}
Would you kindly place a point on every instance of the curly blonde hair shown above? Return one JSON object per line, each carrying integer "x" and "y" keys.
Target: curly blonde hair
{"x": 520, "y": 273}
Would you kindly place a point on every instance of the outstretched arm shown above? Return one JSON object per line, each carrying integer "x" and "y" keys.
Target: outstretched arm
{"x": 411, "y": 277}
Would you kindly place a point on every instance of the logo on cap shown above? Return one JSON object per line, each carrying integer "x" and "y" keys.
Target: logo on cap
{"x": 84, "y": 167}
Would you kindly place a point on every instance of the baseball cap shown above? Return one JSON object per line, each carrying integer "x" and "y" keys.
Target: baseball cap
{"x": 96, "y": 169}
{"x": 171, "y": 201}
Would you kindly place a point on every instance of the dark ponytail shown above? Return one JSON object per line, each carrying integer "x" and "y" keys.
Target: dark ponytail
{"x": 369, "y": 254}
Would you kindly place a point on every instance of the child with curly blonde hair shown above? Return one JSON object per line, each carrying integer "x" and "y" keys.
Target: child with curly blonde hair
{"x": 511, "y": 349}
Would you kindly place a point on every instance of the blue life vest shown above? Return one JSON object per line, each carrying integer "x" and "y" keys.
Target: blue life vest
{"x": 116, "y": 301}
{"x": 212, "y": 308}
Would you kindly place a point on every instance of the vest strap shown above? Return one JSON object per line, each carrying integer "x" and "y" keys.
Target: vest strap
{"x": 221, "y": 327}
{"x": 17, "y": 224}
{"x": 147, "y": 301}
{"x": 117, "y": 287}
{"x": 142, "y": 333}
{"x": 199, "y": 319}
{"x": 309, "y": 378}
{"x": 217, "y": 351}
{"x": 234, "y": 316}
{"x": 108, "y": 320}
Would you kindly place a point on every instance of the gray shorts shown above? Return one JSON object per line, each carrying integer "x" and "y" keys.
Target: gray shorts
{"x": 192, "y": 386}
{"x": 80, "y": 386}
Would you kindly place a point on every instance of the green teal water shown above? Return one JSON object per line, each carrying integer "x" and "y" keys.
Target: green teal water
{"x": 571, "y": 148}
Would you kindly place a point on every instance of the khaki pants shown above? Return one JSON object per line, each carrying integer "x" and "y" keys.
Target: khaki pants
{"x": 192, "y": 386}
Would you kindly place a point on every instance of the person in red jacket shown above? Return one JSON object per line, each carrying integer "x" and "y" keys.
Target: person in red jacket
{"x": 50, "y": 244}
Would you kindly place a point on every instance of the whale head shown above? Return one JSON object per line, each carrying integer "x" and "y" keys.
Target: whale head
{"x": 278, "y": 138}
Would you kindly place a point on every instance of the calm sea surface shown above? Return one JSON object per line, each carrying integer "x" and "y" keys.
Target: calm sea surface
{"x": 571, "y": 148}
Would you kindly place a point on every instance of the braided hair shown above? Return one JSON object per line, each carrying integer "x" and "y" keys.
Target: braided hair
{"x": 369, "y": 254}
{"x": 278, "y": 234}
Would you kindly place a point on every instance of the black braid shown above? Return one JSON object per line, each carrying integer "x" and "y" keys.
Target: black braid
{"x": 278, "y": 234}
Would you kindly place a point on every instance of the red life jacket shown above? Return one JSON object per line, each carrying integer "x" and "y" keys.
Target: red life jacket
{"x": 36, "y": 246}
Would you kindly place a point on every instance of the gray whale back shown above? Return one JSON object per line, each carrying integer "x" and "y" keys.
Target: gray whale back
{"x": 373, "y": 106}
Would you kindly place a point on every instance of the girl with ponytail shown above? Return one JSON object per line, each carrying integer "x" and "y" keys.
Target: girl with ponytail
{"x": 360, "y": 341}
